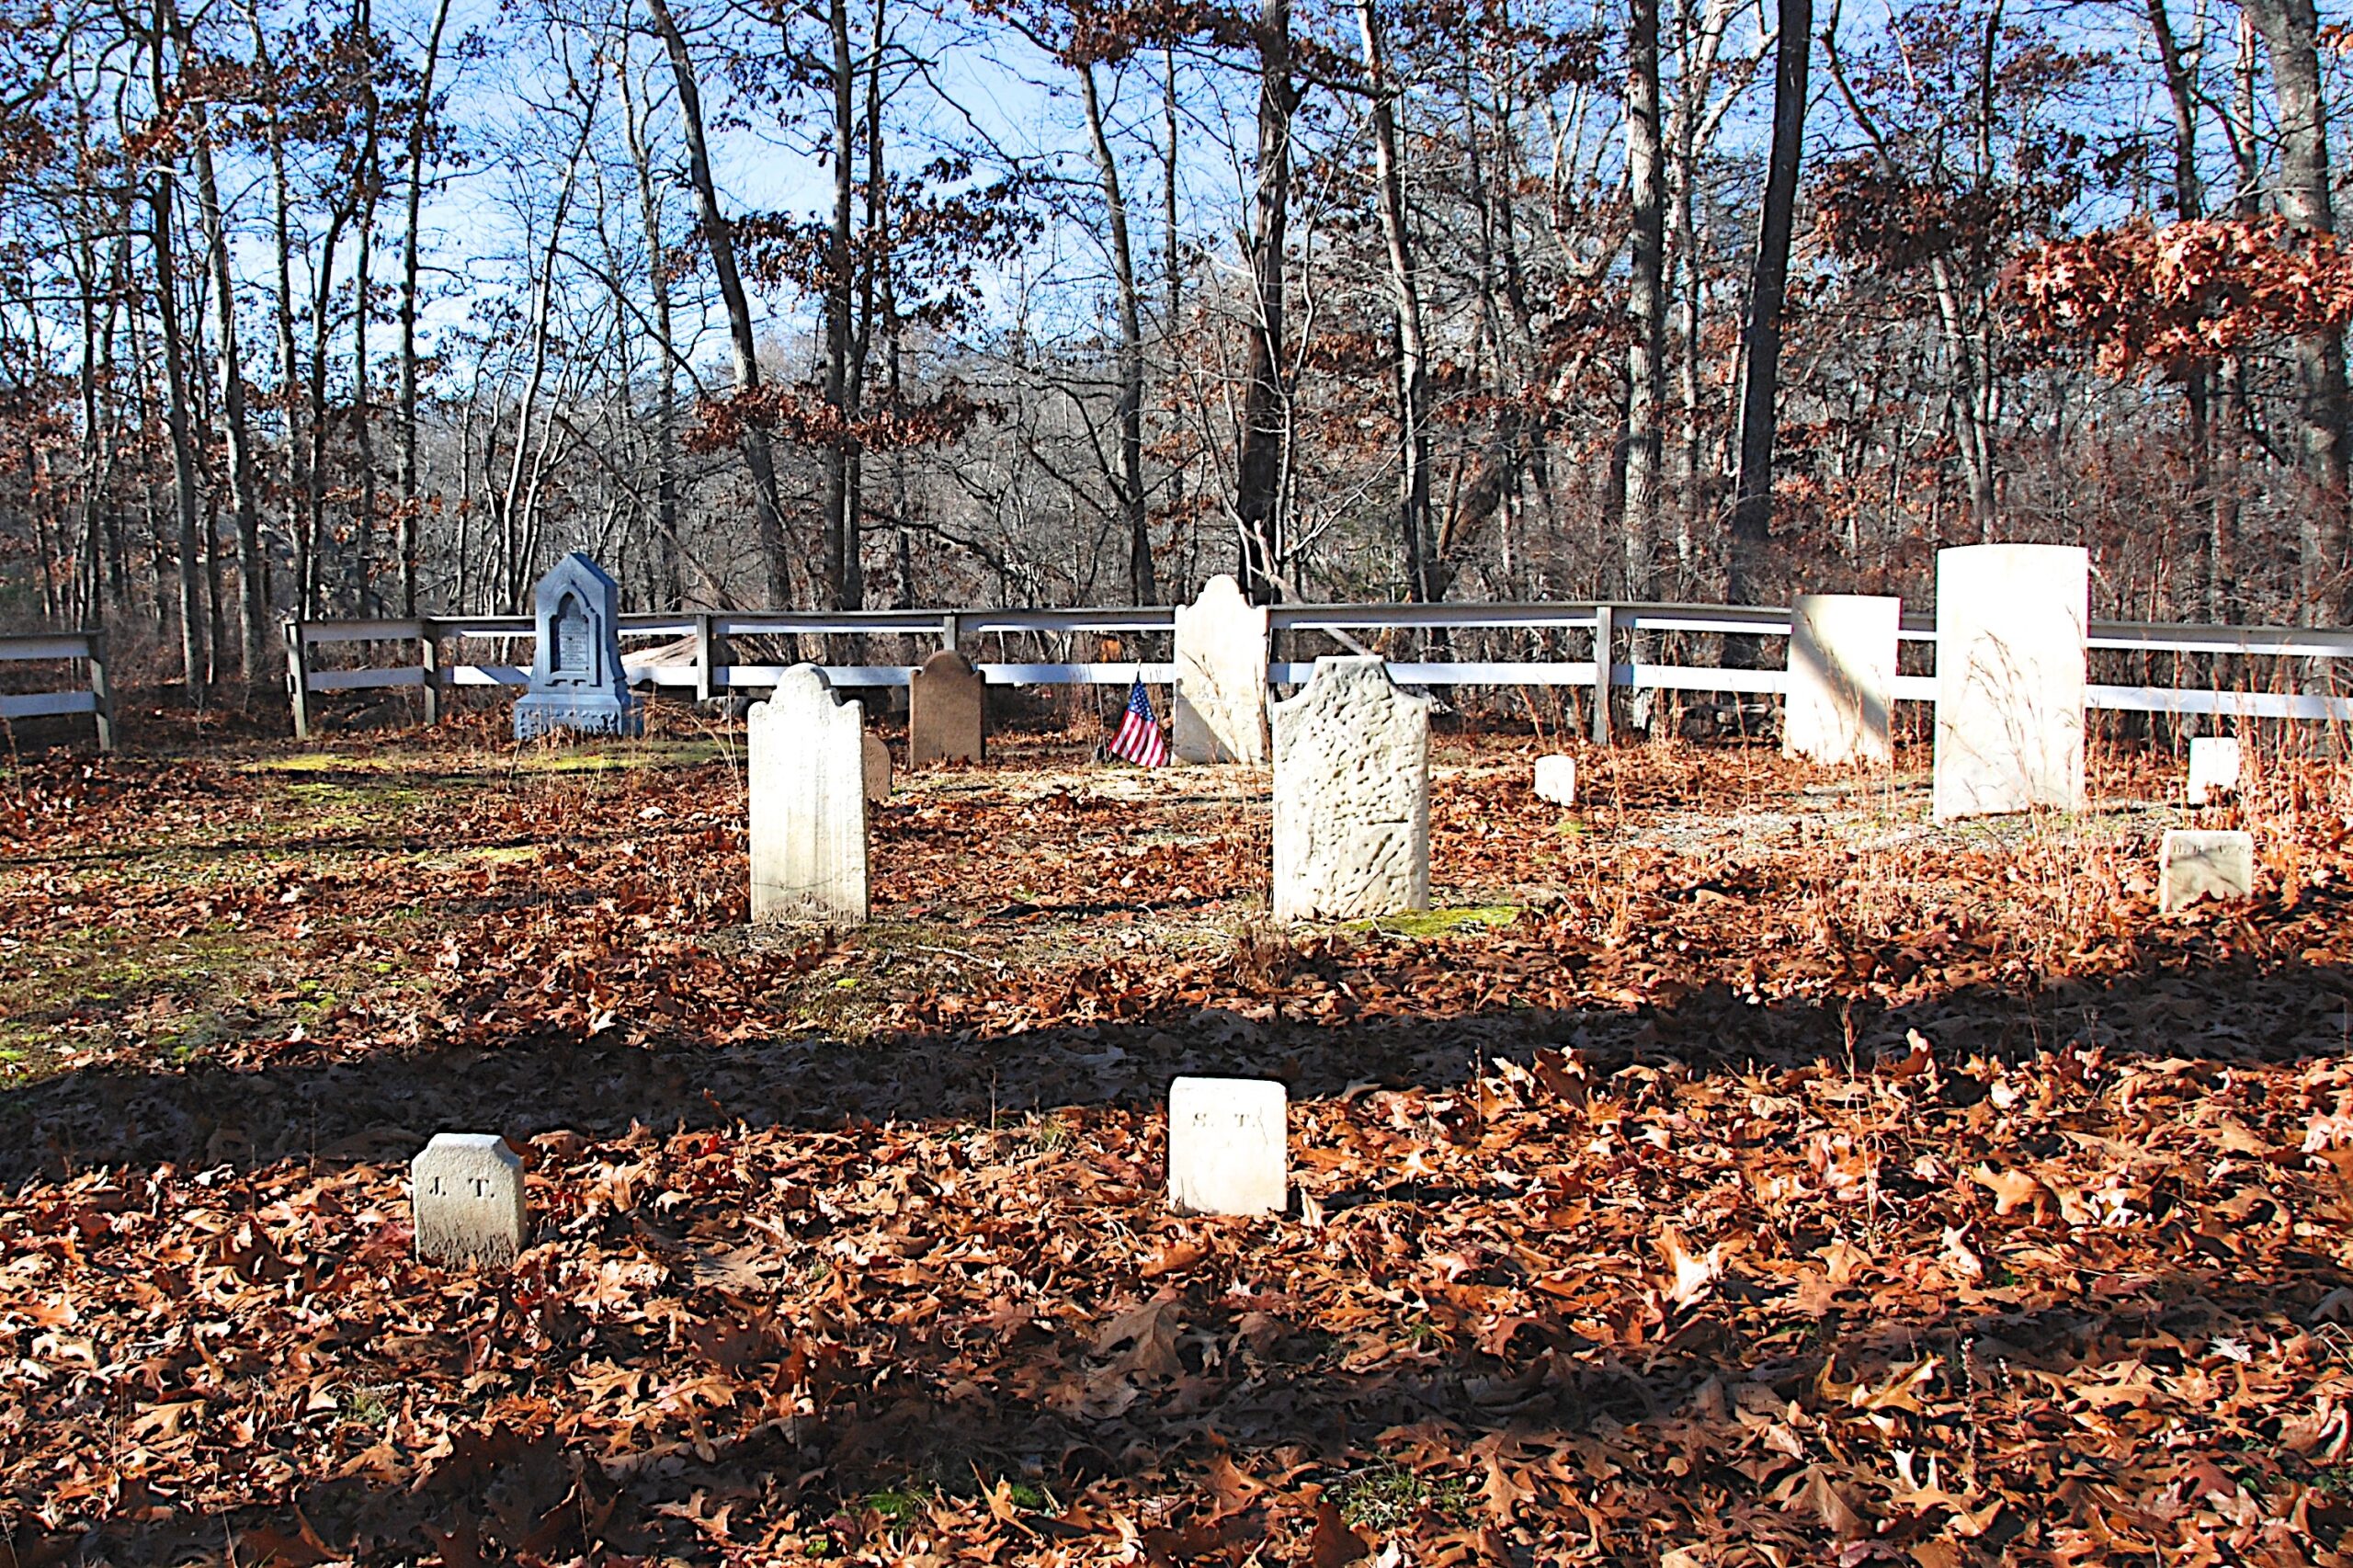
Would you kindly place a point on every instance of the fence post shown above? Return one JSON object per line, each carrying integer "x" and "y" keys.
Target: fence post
{"x": 706, "y": 659}
{"x": 1605, "y": 654}
{"x": 429, "y": 640}
{"x": 951, "y": 627}
{"x": 297, "y": 676}
{"x": 101, "y": 690}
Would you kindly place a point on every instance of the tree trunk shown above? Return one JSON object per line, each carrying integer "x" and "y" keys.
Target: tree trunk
{"x": 1425, "y": 575}
{"x": 1768, "y": 284}
{"x": 1266, "y": 415}
{"x": 412, "y": 500}
{"x": 768, "y": 511}
{"x": 841, "y": 281}
{"x": 195, "y": 658}
{"x": 1646, "y": 292}
{"x": 665, "y": 406}
{"x": 1128, "y": 483}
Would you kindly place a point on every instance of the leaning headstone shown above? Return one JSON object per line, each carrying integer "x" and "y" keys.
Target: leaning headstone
{"x": 467, "y": 1192}
{"x": 2214, "y": 767}
{"x": 946, "y": 699}
{"x": 1352, "y": 795}
{"x": 1556, "y": 779}
{"x": 2193, "y": 865}
{"x": 2011, "y": 627}
{"x": 808, "y": 802}
{"x": 1842, "y": 678}
{"x": 1221, "y": 677}
{"x": 878, "y": 768}
{"x": 1228, "y": 1147}
{"x": 578, "y": 682}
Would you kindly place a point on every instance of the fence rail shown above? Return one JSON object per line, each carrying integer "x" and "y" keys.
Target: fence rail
{"x": 1616, "y": 632}
{"x": 94, "y": 696}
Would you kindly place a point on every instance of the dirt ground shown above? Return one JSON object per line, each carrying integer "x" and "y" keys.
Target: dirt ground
{"x": 1737, "y": 1169}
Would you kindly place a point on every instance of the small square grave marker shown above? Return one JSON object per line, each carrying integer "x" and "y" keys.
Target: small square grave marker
{"x": 2214, "y": 767}
{"x": 1556, "y": 779}
{"x": 2193, "y": 865}
{"x": 468, "y": 1192}
{"x": 1228, "y": 1147}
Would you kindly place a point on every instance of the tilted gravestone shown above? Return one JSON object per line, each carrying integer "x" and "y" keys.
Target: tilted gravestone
{"x": 1556, "y": 779}
{"x": 2214, "y": 767}
{"x": 577, "y": 681}
{"x": 2011, "y": 627}
{"x": 947, "y": 701}
{"x": 1841, "y": 678}
{"x": 1228, "y": 1147}
{"x": 878, "y": 768}
{"x": 808, "y": 798}
{"x": 2193, "y": 865}
{"x": 1352, "y": 795}
{"x": 466, "y": 1189}
{"x": 1221, "y": 677}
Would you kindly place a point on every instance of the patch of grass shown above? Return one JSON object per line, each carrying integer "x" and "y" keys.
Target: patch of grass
{"x": 894, "y": 1505}
{"x": 612, "y": 759}
{"x": 1389, "y": 1496}
{"x": 1437, "y": 922}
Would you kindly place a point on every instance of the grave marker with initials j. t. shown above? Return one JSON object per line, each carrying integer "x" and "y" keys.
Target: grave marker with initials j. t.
{"x": 1228, "y": 1147}
{"x": 467, "y": 1188}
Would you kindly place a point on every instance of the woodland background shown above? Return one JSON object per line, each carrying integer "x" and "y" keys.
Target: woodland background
{"x": 379, "y": 307}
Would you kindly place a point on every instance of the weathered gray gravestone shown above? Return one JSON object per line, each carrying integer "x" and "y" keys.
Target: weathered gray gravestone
{"x": 2214, "y": 767}
{"x": 1352, "y": 795}
{"x": 1841, "y": 678}
{"x": 808, "y": 802}
{"x": 2011, "y": 626}
{"x": 1221, "y": 677}
{"x": 467, "y": 1192}
{"x": 946, "y": 704}
{"x": 2193, "y": 865}
{"x": 1556, "y": 779}
{"x": 577, "y": 681}
{"x": 878, "y": 768}
{"x": 1228, "y": 1147}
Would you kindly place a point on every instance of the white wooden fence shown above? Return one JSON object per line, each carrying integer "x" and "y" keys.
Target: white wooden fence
{"x": 92, "y": 694}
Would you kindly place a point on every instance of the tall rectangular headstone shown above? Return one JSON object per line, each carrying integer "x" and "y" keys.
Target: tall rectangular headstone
{"x": 1352, "y": 795}
{"x": 1228, "y": 1147}
{"x": 945, "y": 702}
{"x": 2012, "y": 622}
{"x": 1221, "y": 677}
{"x": 808, "y": 802}
{"x": 466, "y": 1190}
{"x": 1842, "y": 678}
{"x": 2214, "y": 767}
{"x": 2193, "y": 865}
{"x": 577, "y": 681}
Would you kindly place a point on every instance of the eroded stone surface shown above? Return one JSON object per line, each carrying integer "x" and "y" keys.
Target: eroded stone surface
{"x": 467, "y": 1192}
{"x": 2214, "y": 767}
{"x": 945, "y": 703}
{"x": 808, "y": 802}
{"x": 1352, "y": 795}
{"x": 2011, "y": 622}
{"x": 1842, "y": 678}
{"x": 1556, "y": 779}
{"x": 1221, "y": 677}
{"x": 878, "y": 768}
{"x": 2192, "y": 865}
{"x": 1228, "y": 1147}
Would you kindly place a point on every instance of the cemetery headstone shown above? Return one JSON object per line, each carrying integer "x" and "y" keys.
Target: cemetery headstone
{"x": 1556, "y": 779}
{"x": 2011, "y": 624}
{"x": 808, "y": 802}
{"x": 946, "y": 702}
{"x": 2192, "y": 865}
{"x": 878, "y": 768}
{"x": 2214, "y": 767}
{"x": 577, "y": 681}
{"x": 1221, "y": 677}
{"x": 1842, "y": 678}
{"x": 1352, "y": 795}
{"x": 466, "y": 1189}
{"x": 1228, "y": 1147}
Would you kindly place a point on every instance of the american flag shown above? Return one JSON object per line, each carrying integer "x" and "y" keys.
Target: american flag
{"x": 1140, "y": 740}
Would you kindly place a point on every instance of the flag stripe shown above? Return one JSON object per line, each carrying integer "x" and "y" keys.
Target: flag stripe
{"x": 1139, "y": 739}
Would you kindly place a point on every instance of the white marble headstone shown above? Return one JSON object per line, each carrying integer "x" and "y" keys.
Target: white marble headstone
{"x": 1842, "y": 678}
{"x": 1221, "y": 677}
{"x": 2011, "y": 624}
{"x": 2214, "y": 767}
{"x": 2193, "y": 865}
{"x": 1556, "y": 779}
{"x": 808, "y": 802}
{"x": 1352, "y": 795}
{"x": 467, "y": 1192}
{"x": 1228, "y": 1147}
